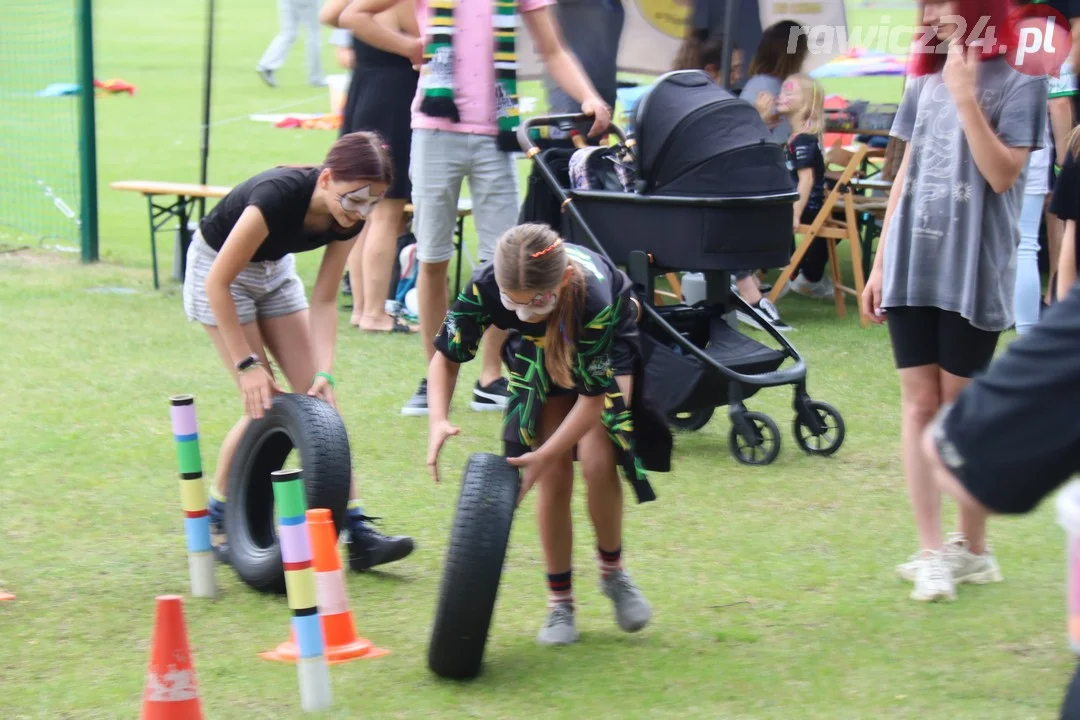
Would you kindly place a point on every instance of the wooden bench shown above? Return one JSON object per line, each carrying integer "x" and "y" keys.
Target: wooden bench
{"x": 181, "y": 198}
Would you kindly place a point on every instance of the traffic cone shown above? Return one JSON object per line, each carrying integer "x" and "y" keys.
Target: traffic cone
{"x": 339, "y": 631}
{"x": 171, "y": 691}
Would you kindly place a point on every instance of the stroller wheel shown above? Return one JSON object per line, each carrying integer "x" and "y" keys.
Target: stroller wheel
{"x": 691, "y": 420}
{"x": 824, "y": 440}
{"x": 765, "y": 445}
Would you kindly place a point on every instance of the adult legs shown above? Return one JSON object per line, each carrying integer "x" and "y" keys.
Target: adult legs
{"x": 278, "y": 49}
{"x": 1028, "y": 288}
{"x": 308, "y": 11}
{"x": 438, "y": 161}
{"x": 382, "y": 230}
{"x": 493, "y": 185}
{"x": 355, "y": 264}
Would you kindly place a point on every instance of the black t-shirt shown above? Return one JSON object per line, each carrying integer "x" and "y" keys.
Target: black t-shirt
{"x": 804, "y": 151}
{"x": 605, "y": 314}
{"x": 283, "y": 194}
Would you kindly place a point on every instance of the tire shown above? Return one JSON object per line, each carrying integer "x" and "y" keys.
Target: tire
{"x": 316, "y": 430}
{"x": 473, "y": 568}
{"x": 692, "y": 420}
{"x": 766, "y": 447}
{"x": 829, "y": 441}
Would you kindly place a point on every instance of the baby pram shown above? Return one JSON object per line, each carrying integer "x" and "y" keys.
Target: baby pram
{"x": 710, "y": 193}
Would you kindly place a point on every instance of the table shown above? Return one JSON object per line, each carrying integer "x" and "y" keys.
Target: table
{"x": 181, "y": 197}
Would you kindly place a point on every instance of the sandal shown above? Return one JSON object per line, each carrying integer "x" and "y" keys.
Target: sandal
{"x": 398, "y": 327}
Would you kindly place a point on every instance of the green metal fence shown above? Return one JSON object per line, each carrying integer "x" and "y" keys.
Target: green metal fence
{"x": 48, "y": 158}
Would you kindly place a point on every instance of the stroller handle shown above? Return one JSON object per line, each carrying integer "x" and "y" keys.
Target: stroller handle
{"x": 530, "y": 148}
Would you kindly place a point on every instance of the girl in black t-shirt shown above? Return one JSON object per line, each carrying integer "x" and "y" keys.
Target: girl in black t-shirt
{"x": 241, "y": 284}
{"x": 802, "y": 102}
{"x": 575, "y": 388}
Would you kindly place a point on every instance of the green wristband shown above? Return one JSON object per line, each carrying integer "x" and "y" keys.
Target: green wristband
{"x": 328, "y": 376}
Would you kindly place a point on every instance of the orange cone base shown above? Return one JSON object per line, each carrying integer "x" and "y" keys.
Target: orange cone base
{"x": 356, "y": 650}
{"x": 4, "y": 596}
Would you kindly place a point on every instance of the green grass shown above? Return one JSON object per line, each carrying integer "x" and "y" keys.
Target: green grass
{"x": 774, "y": 588}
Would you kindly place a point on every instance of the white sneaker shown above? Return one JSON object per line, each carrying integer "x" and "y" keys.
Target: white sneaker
{"x": 966, "y": 566}
{"x": 933, "y": 578}
{"x": 820, "y": 290}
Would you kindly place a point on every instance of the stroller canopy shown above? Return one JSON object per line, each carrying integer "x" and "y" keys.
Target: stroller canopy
{"x": 696, "y": 139}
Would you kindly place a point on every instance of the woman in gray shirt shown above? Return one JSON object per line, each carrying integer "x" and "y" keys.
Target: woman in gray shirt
{"x": 943, "y": 277}
{"x": 772, "y": 63}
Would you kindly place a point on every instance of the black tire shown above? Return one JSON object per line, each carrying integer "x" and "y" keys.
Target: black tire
{"x": 692, "y": 420}
{"x": 766, "y": 445}
{"x": 473, "y": 568}
{"x": 827, "y": 442}
{"x": 316, "y": 430}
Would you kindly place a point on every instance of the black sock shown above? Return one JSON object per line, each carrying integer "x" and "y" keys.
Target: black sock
{"x": 560, "y": 589}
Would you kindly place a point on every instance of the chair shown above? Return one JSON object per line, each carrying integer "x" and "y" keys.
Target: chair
{"x": 834, "y": 221}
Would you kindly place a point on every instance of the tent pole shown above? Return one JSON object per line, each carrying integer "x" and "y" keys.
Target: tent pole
{"x": 731, "y": 16}
{"x": 208, "y": 74}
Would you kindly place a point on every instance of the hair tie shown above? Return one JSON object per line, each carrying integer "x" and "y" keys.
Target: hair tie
{"x": 549, "y": 248}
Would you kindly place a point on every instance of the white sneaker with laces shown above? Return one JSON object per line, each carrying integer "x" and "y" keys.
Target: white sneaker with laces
{"x": 933, "y": 578}
{"x": 967, "y": 567}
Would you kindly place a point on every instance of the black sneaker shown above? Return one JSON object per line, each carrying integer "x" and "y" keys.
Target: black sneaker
{"x": 417, "y": 404}
{"x": 368, "y": 547}
{"x": 492, "y": 397}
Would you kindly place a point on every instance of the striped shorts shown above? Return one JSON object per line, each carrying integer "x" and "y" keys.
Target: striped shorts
{"x": 261, "y": 290}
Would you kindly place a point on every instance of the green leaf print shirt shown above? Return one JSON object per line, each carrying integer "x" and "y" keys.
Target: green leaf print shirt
{"x": 605, "y": 321}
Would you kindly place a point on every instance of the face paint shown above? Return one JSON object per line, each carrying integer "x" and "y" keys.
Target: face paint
{"x": 540, "y": 306}
{"x": 359, "y": 201}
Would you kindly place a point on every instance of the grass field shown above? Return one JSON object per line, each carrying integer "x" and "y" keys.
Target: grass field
{"x": 774, "y": 588}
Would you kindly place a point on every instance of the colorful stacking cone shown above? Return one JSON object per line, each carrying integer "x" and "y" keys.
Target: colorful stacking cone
{"x": 339, "y": 631}
{"x": 171, "y": 692}
{"x": 193, "y": 496}
{"x": 311, "y": 663}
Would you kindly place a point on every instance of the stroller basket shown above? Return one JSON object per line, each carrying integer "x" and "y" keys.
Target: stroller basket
{"x": 686, "y": 233}
{"x": 682, "y": 383}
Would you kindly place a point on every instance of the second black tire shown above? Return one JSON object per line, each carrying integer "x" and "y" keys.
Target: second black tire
{"x": 316, "y": 431}
{"x": 474, "y": 565}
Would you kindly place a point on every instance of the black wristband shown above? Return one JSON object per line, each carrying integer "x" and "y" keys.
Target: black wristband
{"x": 247, "y": 362}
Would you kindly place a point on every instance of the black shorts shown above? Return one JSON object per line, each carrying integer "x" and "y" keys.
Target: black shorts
{"x": 929, "y": 336}
{"x": 1011, "y": 437}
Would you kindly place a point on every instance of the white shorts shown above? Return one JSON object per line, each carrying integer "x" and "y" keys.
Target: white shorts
{"x": 261, "y": 290}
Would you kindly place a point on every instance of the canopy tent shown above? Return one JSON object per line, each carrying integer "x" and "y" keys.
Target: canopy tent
{"x": 654, "y": 30}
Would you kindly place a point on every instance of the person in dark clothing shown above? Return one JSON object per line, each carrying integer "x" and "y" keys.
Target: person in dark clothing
{"x": 241, "y": 284}
{"x": 1065, "y": 204}
{"x": 1028, "y": 395}
{"x": 576, "y": 380}
{"x": 380, "y": 96}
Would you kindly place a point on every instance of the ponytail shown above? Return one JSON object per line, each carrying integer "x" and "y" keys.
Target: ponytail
{"x": 559, "y": 338}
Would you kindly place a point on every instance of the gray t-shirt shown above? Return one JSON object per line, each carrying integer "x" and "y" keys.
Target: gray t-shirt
{"x": 772, "y": 85}
{"x": 952, "y": 240}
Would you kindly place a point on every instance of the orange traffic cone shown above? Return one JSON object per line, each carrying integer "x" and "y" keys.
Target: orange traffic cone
{"x": 171, "y": 692}
{"x": 339, "y": 631}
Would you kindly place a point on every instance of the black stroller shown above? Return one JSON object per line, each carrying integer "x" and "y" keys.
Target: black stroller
{"x": 698, "y": 187}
